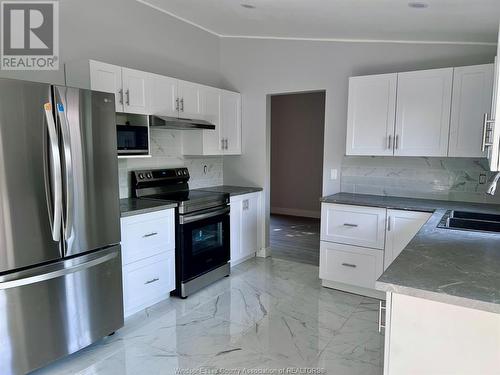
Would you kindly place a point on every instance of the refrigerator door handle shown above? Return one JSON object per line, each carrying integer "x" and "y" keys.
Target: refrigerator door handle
{"x": 55, "y": 158}
{"x": 52, "y": 274}
{"x": 68, "y": 164}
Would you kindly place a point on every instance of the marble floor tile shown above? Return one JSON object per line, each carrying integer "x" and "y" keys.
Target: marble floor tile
{"x": 270, "y": 313}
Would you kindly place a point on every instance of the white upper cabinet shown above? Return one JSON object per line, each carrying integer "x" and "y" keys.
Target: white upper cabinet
{"x": 231, "y": 122}
{"x": 107, "y": 78}
{"x": 131, "y": 87}
{"x": 189, "y": 99}
{"x": 211, "y": 108}
{"x": 371, "y": 115}
{"x": 164, "y": 99}
{"x": 493, "y": 122}
{"x": 423, "y": 113}
{"x": 136, "y": 91}
{"x": 471, "y": 100}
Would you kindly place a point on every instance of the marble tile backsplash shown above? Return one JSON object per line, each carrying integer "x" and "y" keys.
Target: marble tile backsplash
{"x": 166, "y": 151}
{"x": 455, "y": 179}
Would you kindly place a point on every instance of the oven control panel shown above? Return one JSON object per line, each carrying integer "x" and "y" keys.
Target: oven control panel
{"x": 161, "y": 174}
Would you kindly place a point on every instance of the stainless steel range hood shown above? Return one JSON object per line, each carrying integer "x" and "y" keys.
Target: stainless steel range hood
{"x": 166, "y": 122}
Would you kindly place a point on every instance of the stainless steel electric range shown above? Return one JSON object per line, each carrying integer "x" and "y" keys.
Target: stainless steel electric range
{"x": 202, "y": 226}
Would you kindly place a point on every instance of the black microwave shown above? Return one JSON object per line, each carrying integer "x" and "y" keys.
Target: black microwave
{"x": 132, "y": 134}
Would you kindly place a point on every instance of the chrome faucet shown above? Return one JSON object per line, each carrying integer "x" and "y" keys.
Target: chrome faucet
{"x": 493, "y": 185}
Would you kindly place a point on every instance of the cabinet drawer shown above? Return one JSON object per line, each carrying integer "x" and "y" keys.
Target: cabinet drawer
{"x": 148, "y": 281}
{"x": 353, "y": 225}
{"x": 350, "y": 264}
{"x": 146, "y": 235}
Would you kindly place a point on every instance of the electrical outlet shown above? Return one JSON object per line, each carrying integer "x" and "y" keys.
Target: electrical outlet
{"x": 482, "y": 179}
{"x": 333, "y": 174}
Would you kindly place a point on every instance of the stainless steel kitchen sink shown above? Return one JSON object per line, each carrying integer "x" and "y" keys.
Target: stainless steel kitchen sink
{"x": 473, "y": 221}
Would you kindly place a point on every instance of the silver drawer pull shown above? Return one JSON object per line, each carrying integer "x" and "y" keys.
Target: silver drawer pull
{"x": 381, "y": 311}
{"x": 150, "y": 235}
{"x": 151, "y": 281}
{"x": 350, "y": 225}
{"x": 349, "y": 265}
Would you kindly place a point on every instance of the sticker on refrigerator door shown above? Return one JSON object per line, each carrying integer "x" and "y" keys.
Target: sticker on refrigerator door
{"x": 47, "y": 106}
{"x": 60, "y": 107}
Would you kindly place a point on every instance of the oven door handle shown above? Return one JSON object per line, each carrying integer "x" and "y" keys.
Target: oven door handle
{"x": 186, "y": 219}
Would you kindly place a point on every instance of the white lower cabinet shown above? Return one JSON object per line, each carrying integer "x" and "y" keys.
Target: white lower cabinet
{"x": 148, "y": 259}
{"x": 358, "y": 243}
{"x": 245, "y": 224}
{"x": 402, "y": 226}
{"x": 435, "y": 338}
{"x": 348, "y": 264}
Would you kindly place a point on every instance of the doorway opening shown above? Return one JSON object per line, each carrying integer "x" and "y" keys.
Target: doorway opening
{"x": 297, "y": 138}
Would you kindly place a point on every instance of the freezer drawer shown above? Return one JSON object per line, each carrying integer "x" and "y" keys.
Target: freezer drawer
{"x": 54, "y": 310}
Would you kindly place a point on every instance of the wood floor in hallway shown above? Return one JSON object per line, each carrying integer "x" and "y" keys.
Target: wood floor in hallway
{"x": 295, "y": 238}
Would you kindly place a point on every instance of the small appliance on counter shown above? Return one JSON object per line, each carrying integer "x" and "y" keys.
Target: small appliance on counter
{"x": 202, "y": 226}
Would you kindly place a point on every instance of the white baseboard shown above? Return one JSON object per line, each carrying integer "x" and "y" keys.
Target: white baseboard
{"x": 295, "y": 212}
{"x": 244, "y": 259}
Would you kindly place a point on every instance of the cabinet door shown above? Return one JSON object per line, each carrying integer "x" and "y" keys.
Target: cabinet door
{"x": 235, "y": 227}
{"x": 402, "y": 226}
{"x": 231, "y": 122}
{"x": 423, "y": 113}
{"x": 249, "y": 232}
{"x": 189, "y": 95}
{"x": 107, "y": 78}
{"x": 370, "y": 115}
{"x": 136, "y": 88}
{"x": 494, "y": 136}
{"x": 210, "y": 108}
{"x": 163, "y": 95}
{"x": 472, "y": 91}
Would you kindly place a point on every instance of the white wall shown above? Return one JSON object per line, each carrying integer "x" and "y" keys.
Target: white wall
{"x": 127, "y": 33}
{"x": 257, "y": 68}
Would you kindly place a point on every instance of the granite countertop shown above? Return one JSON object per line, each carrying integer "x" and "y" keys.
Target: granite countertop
{"x": 232, "y": 190}
{"x": 134, "y": 206}
{"x": 444, "y": 265}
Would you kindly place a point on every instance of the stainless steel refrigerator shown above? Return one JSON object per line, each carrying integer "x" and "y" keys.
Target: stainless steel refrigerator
{"x": 60, "y": 260}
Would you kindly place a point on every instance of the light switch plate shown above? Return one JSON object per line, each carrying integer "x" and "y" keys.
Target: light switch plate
{"x": 333, "y": 174}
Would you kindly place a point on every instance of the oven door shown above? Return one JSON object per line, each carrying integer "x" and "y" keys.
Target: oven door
{"x": 203, "y": 242}
{"x": 132, "y": 139}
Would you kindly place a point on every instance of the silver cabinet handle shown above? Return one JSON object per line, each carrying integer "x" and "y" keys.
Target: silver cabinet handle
{"x": 182, "y": 104}
{"x": 227, "y": 144}
{"x": 121, "y": 95}
{"x": 349, "y": 265}
{"x": 177, "y": 104}
{"x": 389, "y": 141}
{"x": 127, "y": 93}
{"x": 150, "y": 234}
{"x": 486, "y": 130}
{"x": 381, "y": 310}
{"x": 246, "y": 204}
{"x": 222, "y": 143}
{"x": 396, "y": 142}
{"x": 55, "y": 160}
{"x": 350, "y": 225}
{"x": 389, "y": 224}
{"x": 151, "y": 281}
